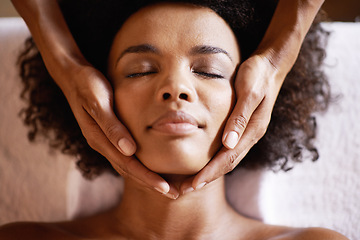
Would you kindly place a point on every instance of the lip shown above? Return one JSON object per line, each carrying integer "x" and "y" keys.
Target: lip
{"x": 176, "y": 123}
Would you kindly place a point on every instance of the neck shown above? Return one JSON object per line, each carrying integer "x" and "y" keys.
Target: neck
{"x": 145, "y": 214}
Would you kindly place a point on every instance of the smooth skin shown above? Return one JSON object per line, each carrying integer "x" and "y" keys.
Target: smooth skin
{"x": 179, "y": 72}
{"x": 180, "y": 85}
{"x": 91, "y": 99}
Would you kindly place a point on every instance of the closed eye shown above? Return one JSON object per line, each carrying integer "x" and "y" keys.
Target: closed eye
{"x": 141, "y": 74}
{"x": 208, "y": 75}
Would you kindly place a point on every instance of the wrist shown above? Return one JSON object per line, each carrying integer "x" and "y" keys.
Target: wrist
{"x": 282, "y": 41}
{"x": 281, "y": 55}
{"x": 63, "y": 66}
{"x": 50, "y": 32}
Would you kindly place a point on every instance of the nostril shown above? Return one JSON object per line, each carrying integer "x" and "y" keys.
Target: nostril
{"x": 183, "y": 96}
{"x": 166, "y": 96}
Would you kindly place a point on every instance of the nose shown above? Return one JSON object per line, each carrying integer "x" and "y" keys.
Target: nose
{"x": 176, "y": 86}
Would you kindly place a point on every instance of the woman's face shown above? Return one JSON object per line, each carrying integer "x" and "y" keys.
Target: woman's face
{"x": 172, "y": 67}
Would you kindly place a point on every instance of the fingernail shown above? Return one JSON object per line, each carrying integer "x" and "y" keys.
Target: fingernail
{"x": 188, "y": 190}
{"x": 126, "y": 147}
{"x": 168, "y": 194}
{"x": 159, "y": 190}
{"x": 172, "y": 196}
{"x": 231, "y": 139}
{"x": 201, "y": 185}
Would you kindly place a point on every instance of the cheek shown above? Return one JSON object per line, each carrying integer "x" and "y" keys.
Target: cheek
{"x": 219, "y": 106}
{"x": 128, "y": 107}
{"x": 122, "y": 105}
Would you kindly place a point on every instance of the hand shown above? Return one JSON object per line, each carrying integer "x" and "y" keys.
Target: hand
{"x": 87, "y": 91}
{"x": 257, "y": 85}
{"x": 90, "y": 97}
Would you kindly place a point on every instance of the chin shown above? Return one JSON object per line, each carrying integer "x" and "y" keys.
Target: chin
{"x": 175, "y": 164}
{"x": 177, "y": 157}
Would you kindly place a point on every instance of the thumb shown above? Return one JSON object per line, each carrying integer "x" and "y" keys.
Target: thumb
{"x": 239, "y": 118}
{"x": 114, "y": 130}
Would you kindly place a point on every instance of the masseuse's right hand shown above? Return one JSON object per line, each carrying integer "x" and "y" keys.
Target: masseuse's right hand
{"x": 91, "y": 100}
{"x": 87, "y": 91}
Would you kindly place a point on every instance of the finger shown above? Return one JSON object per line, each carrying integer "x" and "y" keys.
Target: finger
{"x": 113, "y": 129}
{"x": 126, "y": 166}
{"x": 98, "y": 103}
{"x": 186, "y": 186}
{"x": 239, "y": 119}
{"x": 220, "y": 165}
{"x": 173, "y": 192}
{"x": 227, "y": 159}
{"x": 251, "y": 85}
{"x": 223, "y": 162}
{"x": 134, "y": 169}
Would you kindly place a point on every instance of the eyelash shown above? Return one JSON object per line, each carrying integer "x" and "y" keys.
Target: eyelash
{"x": 203, "y": 74}
{"x": 135, "y": 75}
{"x": 208, "y": 75}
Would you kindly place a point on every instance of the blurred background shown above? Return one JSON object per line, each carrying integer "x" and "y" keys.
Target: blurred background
{"x": 7, "y": 9}
{"x": 345, "y": 10}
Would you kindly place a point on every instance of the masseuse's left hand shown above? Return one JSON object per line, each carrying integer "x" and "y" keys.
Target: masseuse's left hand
{"x": 257, "y": 85}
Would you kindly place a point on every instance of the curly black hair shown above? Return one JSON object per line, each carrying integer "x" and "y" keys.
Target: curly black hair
{"x": 94, "y": 23}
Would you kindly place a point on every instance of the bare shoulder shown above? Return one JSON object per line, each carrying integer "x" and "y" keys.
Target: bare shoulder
{"x": 320, "y": 233}
{"x": 92, "y": 227}
{"x": 260, "y": 230}
{"x": 310, "y": 234}
{"x": 33, "y": 230}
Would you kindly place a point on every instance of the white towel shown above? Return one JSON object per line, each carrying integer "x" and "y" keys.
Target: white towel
{"x": 326, "y": 193}
{"x": 32, "y": 181}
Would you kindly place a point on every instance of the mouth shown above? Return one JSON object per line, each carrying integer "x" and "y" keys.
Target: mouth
{"x": 176, "y": 123}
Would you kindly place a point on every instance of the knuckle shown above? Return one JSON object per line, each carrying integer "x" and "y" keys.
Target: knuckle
{"x": 254, "y": 141}
{"x": 232, "y": 162}
{"x": 255, "y": 95}
{"x": 228, "y": 167}
{"x": 122, "y": 172}
{"x": 261, "y": 130}
{"x": 240, "y": 122}
{"x": 90, "y": 137}
{"x": 94, "y": 109}
{"x": 121, "y": 169}
{"x": 97, "y": 107}
{"x": 233, "y": 158}
{"x": 93, "y": 144}
{"x": 126, "y": 167}
{"x": 112, "y": 131}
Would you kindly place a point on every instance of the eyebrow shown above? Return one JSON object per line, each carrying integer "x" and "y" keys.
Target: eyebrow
{"x": 148, "y": 48}
{"x": 142, "y": 48}
{"x": 206, "y": 49}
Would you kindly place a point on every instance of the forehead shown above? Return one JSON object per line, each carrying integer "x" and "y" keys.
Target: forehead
{"x": 177, "y": 26}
